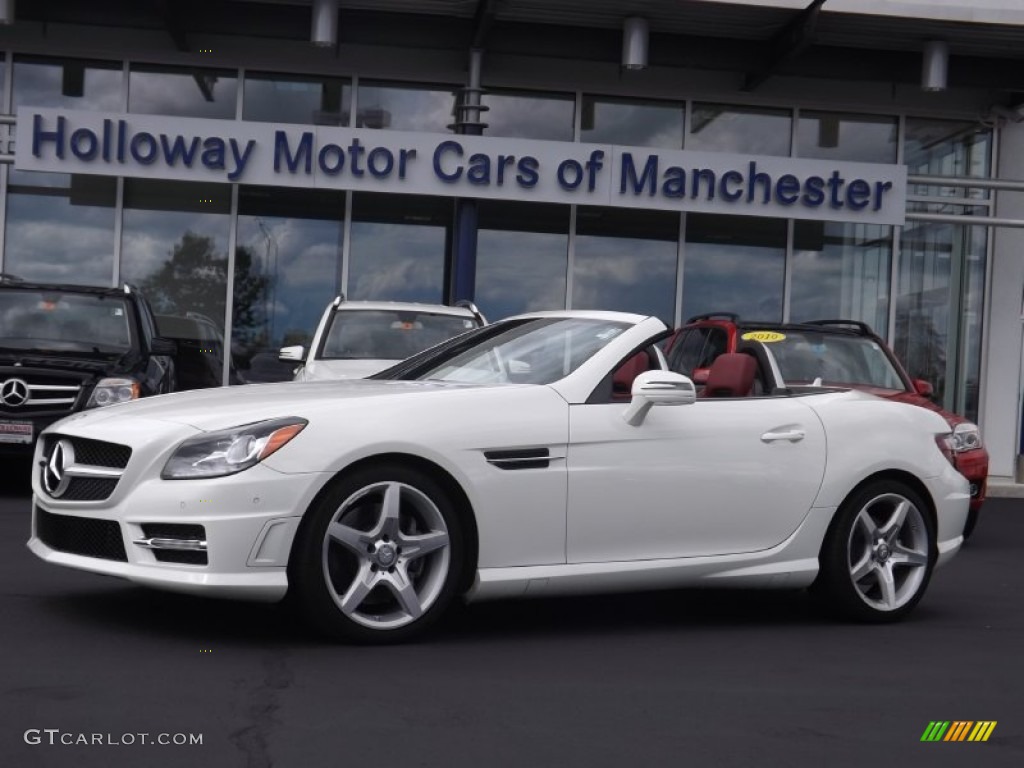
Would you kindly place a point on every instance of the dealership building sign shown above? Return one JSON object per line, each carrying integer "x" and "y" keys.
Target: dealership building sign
{"x": 226, "y": 151}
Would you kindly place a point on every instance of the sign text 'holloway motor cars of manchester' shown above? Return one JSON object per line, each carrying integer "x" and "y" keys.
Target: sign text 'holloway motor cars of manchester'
{"x": 225, "y": 151}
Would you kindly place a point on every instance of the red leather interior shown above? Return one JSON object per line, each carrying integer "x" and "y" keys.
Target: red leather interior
{"x": 622, "y": 379}
{"x": 731, "y": 375}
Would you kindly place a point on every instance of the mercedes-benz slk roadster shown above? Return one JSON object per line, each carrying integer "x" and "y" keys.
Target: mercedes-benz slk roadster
{"x": 549, "y": 453}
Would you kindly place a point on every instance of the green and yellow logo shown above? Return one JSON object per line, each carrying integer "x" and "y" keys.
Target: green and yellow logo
{"x": 958, "y": 730}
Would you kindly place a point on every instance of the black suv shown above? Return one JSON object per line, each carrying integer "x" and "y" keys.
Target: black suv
{"x": 64, "y": 348}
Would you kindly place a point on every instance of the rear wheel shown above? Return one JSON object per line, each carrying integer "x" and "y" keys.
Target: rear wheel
{"x": 878, "y": 555}
{"x": 380, "y": 558}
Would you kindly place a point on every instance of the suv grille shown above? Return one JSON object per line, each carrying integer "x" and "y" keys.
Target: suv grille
{"x": 91, "y": 474}
{"x": 30, "y": 392}
{"x": 81, "y": 535}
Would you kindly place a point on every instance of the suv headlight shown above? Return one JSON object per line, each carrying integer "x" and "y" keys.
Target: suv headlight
{"x": 216, "y": 454}
{"x": 113, "y": 391}
{"x": 966, "y": 437}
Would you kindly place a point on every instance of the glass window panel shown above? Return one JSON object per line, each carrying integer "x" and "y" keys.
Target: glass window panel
{"x": 841, "y": 271}
{"x": 839, "y": 136}
{"x": 522, "y": 257}
{"x": 947, "y": 148}
{"x": 632, "y": 123}
{"x": 939, "y": 309}
{"x": 182, "y": 91}
{"x": 174, "y": 246}
{"x": 287, "y": 262}
{"x": 398, "y": 247}
{"x": 68, "y": 84}
{"x": 405, "y": 107}
{"x": 750, "y": 130}
{"x": 734, "y": 264}
{"x": 529, "y": 115}
{"x": 294, "y": 99}
{"x": 626, "y": 260}
{"x": 61, "y": 229}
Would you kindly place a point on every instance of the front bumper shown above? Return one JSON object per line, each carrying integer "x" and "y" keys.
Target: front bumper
{"x": 974, "y": 466}
{"x": 249, "y": 520}
{"x": 951, "y": 493}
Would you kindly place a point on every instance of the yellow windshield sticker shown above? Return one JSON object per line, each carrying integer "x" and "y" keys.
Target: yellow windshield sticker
{"x": 766, "y": 336}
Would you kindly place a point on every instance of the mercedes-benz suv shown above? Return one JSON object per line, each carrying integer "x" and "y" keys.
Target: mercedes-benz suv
{"x": 64, "y": 348}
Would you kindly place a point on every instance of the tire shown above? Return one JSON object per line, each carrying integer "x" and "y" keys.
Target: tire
{"x": 972, "y": 520}
{"x": 878, "y": 555}
{"x": 379, "y": 557}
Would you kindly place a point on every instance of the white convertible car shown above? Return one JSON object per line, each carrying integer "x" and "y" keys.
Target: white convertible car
{"x": 547, "y": 454}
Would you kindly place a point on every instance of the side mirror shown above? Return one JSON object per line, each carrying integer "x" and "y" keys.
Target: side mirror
{"x": 161, "y": 346}
{"x": 658, "y": 388}
{"x": 923, "y": 388}
{"x": 700, "y": 376}
{"x": 294, "y": 354}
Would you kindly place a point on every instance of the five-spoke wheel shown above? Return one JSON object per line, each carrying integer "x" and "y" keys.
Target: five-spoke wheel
{"x": 878, "y": 556}
{"x": 381, "y": 555}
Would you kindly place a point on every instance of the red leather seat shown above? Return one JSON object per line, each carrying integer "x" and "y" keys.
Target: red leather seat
{"x": 622, "y": 379}
{"x": 731, "y": 375}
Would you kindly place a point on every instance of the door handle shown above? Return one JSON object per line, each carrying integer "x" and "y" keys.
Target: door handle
{"x": 793, "y": 435}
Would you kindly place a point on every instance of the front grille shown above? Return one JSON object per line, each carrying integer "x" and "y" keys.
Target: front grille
{"x": 81, "y": 535}
{"x": 174, "y": 531}
{"x": 89, "y": 489}
{"x": 96, "y": 453}
{"x": 30, "y": 392}
{"x": 183, "y": 556}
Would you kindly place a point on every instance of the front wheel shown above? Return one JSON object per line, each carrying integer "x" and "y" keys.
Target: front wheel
{"x": 380, "y": 558}
{"x": 878, "y": 555}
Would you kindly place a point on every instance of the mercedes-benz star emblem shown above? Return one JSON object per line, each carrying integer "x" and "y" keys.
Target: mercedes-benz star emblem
{"x": 14, "y": 392}
{"x": 55, "y": 475}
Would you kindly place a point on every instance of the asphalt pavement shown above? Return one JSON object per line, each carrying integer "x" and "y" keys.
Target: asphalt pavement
{"x": 686, "y": 678}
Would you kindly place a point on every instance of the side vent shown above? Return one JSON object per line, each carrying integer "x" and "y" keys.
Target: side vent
{"x": 521, "y": 458}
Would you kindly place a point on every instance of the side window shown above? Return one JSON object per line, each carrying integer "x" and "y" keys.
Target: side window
{"x": 686, "y": 351}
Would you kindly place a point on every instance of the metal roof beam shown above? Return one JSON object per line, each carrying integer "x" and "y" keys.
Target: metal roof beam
{"x": 483, "y": 19}
{"x": 788, "y": 43}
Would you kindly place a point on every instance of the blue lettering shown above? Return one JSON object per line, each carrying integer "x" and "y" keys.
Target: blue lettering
{"x": 213, "y": 153}
{"x": 629, "y": 177}
{"x": 753, "y": 178}
{"x": 375, "y": 169}
{"x": 39, "y": 136}
{"x": 323, "y": 159}
{"x": 479, "y": 170}
{"x": 527, "y": 167}
{"x": 92, "y": 144}
{"x": 570, "y": 174}
{"x": 674, "y": 184}
{"x": 503, "y": 160}
{"x": 835, "y": 184}
{"x": 787, "y": 189}
{"x": 814, "y": 191}
{"x": 404, "y": 156}
{"x": 857, "y": 194}
{"x": 179, "y": 150}
{"x": 106, "y": 140}
{"x": 303, "y": 153}
{"x": 730, "y": 177}
{"x": 707, "y": 175}
{"x": 355, "y": 149}
{"x": 594, "y": 165}
{"x": 447, "y": 146}
{"x": 148, "y": 156}
{"x": 881, "y": 187}
{"x": 241, "y": 158}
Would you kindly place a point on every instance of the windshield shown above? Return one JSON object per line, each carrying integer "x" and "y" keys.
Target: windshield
{"x": 388, "y": 334}
{"x": 51, "y": 320}
{"x": 804, "y": 356}
{"x": 530, "y": 351}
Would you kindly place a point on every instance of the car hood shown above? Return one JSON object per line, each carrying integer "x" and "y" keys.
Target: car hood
{"x": 224, "y": 407}
{"x": 329, "y": 370}
{"x": 912, "y": 398}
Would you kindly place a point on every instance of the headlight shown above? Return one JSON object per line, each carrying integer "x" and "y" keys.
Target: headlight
{"x": 966, "y": 437}
{"x": 216, "y": 454}
{"x": 113, "y": 391}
